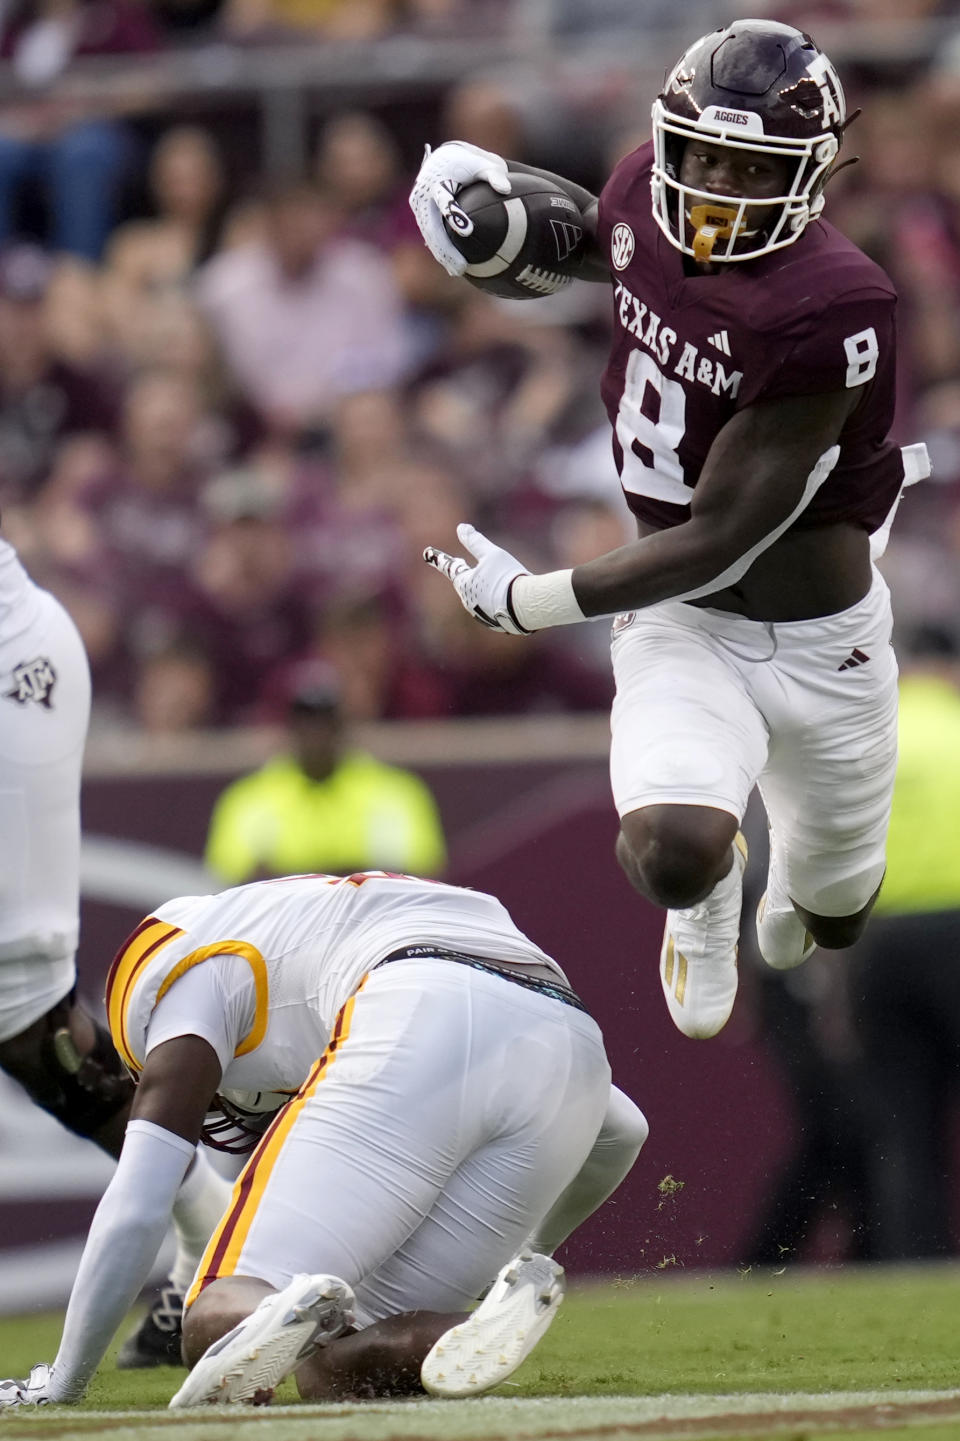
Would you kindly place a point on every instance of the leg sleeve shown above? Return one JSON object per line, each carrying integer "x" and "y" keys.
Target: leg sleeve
{"x": 616, "y": 1148}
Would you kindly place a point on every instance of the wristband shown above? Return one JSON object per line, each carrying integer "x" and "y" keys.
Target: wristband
{"x": 538, "y": 601}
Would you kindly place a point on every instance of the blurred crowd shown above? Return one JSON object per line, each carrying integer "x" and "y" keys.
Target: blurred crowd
{"x": 235, "y": 407}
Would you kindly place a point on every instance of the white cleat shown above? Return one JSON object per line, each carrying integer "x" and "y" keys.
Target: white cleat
{"x": 698, "y": 958}
{"x": 782, "y": 938}
{"x": 489, "y": 1346}
{"x": 249, "y": 1362}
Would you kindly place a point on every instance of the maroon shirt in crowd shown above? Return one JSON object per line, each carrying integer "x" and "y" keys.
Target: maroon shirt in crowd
{"x": 98, "y": 27}
{"x": 64, "y": 402}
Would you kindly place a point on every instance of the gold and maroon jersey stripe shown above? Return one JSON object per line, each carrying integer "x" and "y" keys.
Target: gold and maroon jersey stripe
{"x": 227, "y": 1242}
{"x": 128, "y": 963}
{"x": 258, "y": 966}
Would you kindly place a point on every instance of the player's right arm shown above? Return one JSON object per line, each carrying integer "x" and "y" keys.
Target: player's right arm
{"x": 457, "y": 163}
{"x": 762, "y": 470}
{"x": 176, "y": 1087}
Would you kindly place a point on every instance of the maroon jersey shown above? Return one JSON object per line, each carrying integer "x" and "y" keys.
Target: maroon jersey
{"x": 689, "y": 351}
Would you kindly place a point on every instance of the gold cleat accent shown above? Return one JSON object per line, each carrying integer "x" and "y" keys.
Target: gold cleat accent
{"x": 681, "y": 987}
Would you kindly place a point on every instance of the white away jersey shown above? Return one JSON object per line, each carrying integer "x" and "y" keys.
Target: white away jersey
{"x": 19, "y": 597}
{"x": 44, "y": 709}
{"x": 309, "y": 941}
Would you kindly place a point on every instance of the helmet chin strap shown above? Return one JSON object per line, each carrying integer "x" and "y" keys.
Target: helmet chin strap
{"x": 712, "y": 223}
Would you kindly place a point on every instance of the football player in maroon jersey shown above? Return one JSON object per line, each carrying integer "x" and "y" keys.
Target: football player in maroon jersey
{"x": 750, "y": 388}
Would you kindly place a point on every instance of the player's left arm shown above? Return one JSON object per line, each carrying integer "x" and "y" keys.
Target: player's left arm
{"x": 179, "y": 1080}
{"x": 762, "y": 470}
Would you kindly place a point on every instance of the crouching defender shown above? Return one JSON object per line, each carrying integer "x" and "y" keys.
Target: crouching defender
{"x": 460, "y": 1116}
{"x": 62, "y": 1057}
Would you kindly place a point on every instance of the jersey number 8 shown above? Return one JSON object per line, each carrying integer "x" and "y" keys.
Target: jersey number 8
{"x": 652, "y": 419}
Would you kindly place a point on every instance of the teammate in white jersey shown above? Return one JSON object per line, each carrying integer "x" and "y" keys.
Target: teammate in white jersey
{"x": 59, "y": 1054}
{"x": 44, "y": 710}
{"x": 452, "y": 1104}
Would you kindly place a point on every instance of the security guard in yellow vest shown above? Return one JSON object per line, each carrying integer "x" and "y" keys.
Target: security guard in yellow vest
{"x": 905, "y": 972}
{"x": 923, "y": 843}
{"x": 323, "y": 806}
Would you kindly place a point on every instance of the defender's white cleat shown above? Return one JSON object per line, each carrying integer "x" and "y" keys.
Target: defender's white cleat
{"x": 250, "y": 1361}
{"x": 698, "y": 958}
{"x": 489, "y": 1346}
{"x": 782, "y": 938}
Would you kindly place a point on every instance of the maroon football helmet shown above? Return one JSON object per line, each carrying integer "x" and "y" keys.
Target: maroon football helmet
{"x": 753, "y": 85}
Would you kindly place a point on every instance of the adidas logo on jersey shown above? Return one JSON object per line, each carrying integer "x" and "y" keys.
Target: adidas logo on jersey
{"x": 855, "y": 658}
{"x": 720, "y": 342}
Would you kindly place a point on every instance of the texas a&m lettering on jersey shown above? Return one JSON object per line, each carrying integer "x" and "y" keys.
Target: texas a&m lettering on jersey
{"x": 690, "y": 349}
{"x": 680, "y": 357}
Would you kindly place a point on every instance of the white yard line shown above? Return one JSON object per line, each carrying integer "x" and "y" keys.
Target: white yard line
{"x": 500, "y": 1418}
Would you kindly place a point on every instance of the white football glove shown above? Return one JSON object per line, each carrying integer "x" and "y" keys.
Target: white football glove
{"x": 433, "y": 197}
{"x": 484, "y": 588}
{"x": 32, "y": 1392}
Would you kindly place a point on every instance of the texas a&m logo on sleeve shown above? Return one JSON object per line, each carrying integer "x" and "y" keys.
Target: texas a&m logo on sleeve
{"x": 33, "y": 680}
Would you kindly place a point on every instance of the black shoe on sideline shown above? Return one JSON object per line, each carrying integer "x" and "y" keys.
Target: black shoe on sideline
{"x": 156, "y": 1342}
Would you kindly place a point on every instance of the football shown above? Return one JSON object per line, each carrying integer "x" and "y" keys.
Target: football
{"x": 519, "y": 246}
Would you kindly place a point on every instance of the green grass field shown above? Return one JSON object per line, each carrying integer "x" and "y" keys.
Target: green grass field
{"x": 802, "y": 1354}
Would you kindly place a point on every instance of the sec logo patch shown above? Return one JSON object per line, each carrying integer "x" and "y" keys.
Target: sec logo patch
{"x": 622, "y": 246}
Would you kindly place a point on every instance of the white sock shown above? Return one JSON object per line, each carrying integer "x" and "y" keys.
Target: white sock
{"x": 715, "y": 919}
{"x": 201, "y": 1201}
